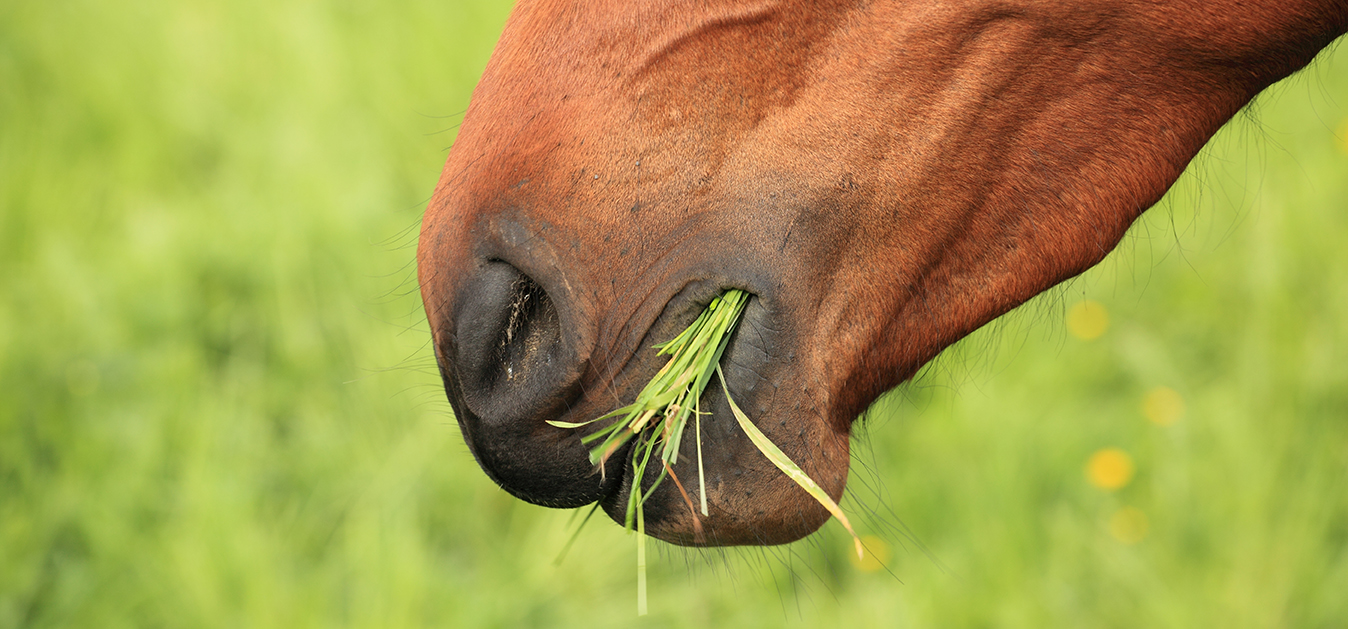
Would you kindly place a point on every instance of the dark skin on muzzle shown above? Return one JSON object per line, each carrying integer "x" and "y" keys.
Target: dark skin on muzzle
{"x": 883, "y": 178}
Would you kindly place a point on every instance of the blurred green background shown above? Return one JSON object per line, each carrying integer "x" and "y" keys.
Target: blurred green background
{"x": 218, "y": 408}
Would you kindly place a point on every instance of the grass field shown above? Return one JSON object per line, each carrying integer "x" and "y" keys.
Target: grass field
{"x": 218, "y": 409}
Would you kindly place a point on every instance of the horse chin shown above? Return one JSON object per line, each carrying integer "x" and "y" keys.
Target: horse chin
{"x": 762, "y": 507}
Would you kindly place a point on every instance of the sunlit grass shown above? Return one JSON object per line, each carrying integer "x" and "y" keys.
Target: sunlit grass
{"x": 217, "y": 407}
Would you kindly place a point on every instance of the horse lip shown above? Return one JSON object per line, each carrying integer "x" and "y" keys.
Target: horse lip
{"x": 683, "y": 307}
{"x": 678, "y": 312}
{"x": 696, "y": 295}
{"x": 528, "y": 485}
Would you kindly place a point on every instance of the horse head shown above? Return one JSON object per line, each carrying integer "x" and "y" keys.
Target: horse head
{"x": 882, "y": 177}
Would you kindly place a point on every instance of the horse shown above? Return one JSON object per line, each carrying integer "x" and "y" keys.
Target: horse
{"x": 882, "y": 177}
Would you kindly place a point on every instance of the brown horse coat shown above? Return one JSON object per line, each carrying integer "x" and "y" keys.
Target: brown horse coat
{"x": 883, "y": 177}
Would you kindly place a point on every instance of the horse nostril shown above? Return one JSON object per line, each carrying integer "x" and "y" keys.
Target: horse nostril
{"x": 509, "y": 344}
{"x": 509, "y": 366}
{"x": 531, "y": 326}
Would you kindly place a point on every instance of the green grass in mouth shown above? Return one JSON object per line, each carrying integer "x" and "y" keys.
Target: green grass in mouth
{"x": 657, "y": 420}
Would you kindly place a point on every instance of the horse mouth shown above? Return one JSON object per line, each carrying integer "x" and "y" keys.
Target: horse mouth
{"x": 678, "y": 313}
{"x": 712, "y": 493}
{"x": 514, "y": 359}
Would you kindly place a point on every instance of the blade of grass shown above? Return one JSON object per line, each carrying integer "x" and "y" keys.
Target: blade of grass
{"x": 641, "y": 562}
{"x": 787, "y": 466}
{"x": 575, "y": 534}
{"x": 697, "y": 523}
{"x": 701, "y": 478}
